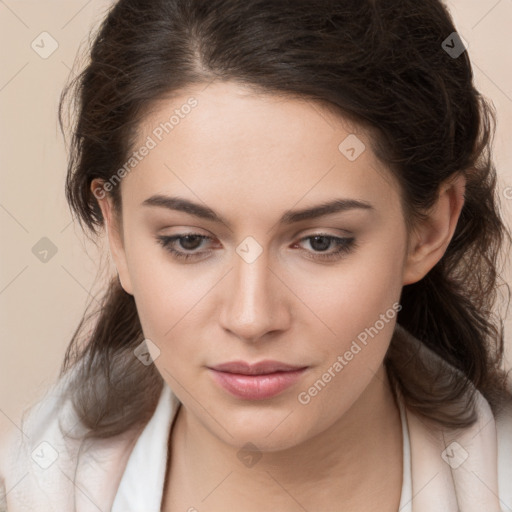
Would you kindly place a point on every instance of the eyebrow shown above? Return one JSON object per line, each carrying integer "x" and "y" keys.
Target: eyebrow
{"x": 289, "y": 217}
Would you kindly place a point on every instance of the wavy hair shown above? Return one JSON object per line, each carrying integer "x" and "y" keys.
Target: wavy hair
{"x": 382, "y": 64}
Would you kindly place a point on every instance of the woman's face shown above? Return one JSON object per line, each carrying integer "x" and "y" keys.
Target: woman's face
{"x": 257, "y": 285}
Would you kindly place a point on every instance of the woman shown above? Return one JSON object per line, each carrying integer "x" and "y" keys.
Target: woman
{"x": 299, "y": 199}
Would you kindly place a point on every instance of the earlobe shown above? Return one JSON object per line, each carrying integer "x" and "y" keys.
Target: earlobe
{"x": 114, "y": 236}
{"x": 430, "y": 237}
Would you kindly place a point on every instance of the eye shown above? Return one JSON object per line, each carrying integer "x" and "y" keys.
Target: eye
{"x": 188, "y": 242}
{"x": 320, "y": 244}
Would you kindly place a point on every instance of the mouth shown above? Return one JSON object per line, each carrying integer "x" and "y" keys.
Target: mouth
{"x": 258, "y": 381}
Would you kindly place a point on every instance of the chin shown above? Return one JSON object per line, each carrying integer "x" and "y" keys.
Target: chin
{"x": 268, "y": 429}
{"x": 251, "y": 440}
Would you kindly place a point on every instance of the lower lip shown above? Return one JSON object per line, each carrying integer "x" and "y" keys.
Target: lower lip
{"x": 256, "y": 387}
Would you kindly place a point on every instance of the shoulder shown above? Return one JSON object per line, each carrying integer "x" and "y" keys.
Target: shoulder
{"x": 48, "y": 463}
{"x": 503, "y": 422}
{"x": 29, "y": 451}
{"x": 487, "y": 446}
{"x": 492, "y": 434}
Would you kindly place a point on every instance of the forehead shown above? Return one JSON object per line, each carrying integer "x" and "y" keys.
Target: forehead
{"x": 226, "y": 143}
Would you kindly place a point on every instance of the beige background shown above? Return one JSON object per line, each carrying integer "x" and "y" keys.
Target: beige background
{"x": 42, "y": 303}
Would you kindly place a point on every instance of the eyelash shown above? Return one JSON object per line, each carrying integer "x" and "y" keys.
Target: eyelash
{"x": 344, "y": 246}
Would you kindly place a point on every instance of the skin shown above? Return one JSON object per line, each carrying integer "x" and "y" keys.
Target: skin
{"x": 250, "y": 158}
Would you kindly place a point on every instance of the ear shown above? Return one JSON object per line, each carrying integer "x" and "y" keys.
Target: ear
{"x": 113, "y": 229}
{"x": 430, "y": 237}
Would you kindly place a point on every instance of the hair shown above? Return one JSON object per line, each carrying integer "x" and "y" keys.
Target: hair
{"x": 379, "y": 63}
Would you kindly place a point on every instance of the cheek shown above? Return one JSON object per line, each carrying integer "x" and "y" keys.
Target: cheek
{"x": 353, "y": 296}
{"x": 360, "y": 305}
{"x": 167, "y": 301}
{"x": 164, "y": 292}
{"x": 170, "y": 311}
{"x": 360, "y": 310}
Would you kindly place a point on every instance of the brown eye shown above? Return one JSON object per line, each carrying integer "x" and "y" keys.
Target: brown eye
{"x": 187, "y": 242}
{"x": 320, "y": 244}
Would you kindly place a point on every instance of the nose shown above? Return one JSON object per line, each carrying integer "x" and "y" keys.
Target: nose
{"x": 255, "y": 304}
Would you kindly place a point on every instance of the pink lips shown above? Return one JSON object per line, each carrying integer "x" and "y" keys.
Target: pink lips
{"x": 258, "y": 381}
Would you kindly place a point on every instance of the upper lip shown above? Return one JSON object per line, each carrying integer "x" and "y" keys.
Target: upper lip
{"x": 259, "y": 368}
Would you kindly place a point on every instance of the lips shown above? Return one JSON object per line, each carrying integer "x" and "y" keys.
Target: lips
{"x": 260, "y": 368}
{"x": 257, "y": 381}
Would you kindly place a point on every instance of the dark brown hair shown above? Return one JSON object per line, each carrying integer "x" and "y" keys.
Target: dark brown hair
{"x": 381, "y": 63}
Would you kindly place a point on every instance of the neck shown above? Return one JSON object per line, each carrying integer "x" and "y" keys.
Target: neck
{"x": 356, "y": 462}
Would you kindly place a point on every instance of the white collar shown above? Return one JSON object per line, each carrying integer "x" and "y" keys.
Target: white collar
{"x": 141, "y": 487}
